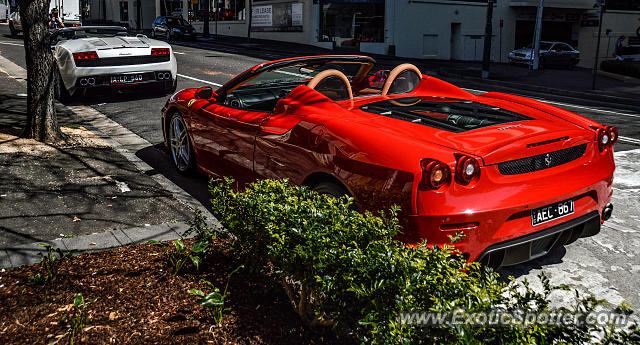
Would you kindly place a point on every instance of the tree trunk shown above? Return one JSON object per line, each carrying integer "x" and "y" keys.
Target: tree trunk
{"x": 42, "y": 123}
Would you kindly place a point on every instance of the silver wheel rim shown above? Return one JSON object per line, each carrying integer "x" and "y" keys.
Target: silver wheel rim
{"x": 179, "y": 143}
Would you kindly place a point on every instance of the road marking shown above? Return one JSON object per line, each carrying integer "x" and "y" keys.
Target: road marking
{"x": 631, "y": 140}
{"x": 179, "y": 53}
{"x": 12, "y": 44}
{"x": 199, "y": 80}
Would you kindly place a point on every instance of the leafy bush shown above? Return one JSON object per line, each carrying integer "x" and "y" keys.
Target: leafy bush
{"x": 343, "y": 269}
{"x": 627, "y": 68}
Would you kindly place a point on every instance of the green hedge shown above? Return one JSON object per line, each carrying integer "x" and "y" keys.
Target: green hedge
{"x": 626, "y": 68}
{"x": 343, "y": 269}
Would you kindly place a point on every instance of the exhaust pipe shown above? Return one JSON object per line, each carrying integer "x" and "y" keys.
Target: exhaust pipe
{"x": 83, "y": 82}
{"x": 91, "y": 81}
{"x": 606, "y": 213}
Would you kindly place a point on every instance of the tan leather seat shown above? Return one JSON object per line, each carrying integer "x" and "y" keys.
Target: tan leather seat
{"x": 402, "y": 79}
{"x": 333, "y": 84}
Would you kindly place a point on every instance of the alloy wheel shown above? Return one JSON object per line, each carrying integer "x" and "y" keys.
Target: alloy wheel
{"x": 179, "y": 144}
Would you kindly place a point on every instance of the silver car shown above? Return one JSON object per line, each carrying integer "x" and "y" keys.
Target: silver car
{"x": 15, "y": 27}
{"x": 108, "y": 56}
{"x": 558, "y": 54}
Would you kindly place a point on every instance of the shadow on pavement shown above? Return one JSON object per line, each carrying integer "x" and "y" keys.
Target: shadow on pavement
{"x": 552, "y": 258}
{"x": 109, "y": 95}
{"x": 77, "y": 188}
{"x": 157, "y": 156}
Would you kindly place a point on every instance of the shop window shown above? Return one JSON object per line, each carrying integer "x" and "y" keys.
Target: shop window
{"x": 124, "y": 11}
{"x": 349, "y": 23}
{"x": 623, "y": 5}
{"x": 225, "y": 9}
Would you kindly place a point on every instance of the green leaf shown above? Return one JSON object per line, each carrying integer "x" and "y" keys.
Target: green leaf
{"x": 199, "y": 247}
{"x": 196, "y": 261}
{"x": 79, "y": 300}
{"x": 196, "y": 292}
{"x": 179, "y": 245}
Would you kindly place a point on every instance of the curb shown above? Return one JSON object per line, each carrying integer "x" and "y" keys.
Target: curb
{"x": 575, "y": 94}
{"x": 29, "y": 253}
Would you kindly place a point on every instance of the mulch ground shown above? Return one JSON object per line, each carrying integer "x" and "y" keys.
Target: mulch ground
{"x": 140, "y": 301}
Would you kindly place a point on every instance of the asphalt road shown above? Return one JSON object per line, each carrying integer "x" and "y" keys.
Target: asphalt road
{"x": 605, "y": 265}
{"x": 201, "y": 63}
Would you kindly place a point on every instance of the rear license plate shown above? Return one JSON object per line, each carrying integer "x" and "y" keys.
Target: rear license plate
{"x": 126, "y": 79}
{"x": 551, "y": 212}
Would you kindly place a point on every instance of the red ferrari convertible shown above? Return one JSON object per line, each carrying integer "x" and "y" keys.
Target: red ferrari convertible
{"x": 518, "y": 177}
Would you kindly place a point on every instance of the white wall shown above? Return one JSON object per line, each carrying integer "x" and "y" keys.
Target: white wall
{"x": 423, "y": 29}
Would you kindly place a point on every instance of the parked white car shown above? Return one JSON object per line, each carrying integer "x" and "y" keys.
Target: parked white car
{"x": 110, "y": 57}
{"x": 15, "y": 27}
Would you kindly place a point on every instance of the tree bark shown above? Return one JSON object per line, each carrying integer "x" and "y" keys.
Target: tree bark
{"x": 42, "y": 122}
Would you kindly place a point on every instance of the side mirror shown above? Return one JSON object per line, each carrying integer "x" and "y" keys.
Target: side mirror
{"x": 204, "y": 92}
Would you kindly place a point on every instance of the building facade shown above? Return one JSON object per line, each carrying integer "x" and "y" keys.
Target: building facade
{"x": 430, "y": 29}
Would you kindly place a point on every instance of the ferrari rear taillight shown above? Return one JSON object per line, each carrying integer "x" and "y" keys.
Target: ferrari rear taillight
{"x": 613, "y": 134}
{"x": 467, "y": 169}
{"x": 159, "y": 51}
{"x": 85, "y": 56}
{"x": 435, "y": 174}
{"x": 604, "y": 138}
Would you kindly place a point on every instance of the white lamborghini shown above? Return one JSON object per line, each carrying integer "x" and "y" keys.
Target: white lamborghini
{"x": 108, "y": 56}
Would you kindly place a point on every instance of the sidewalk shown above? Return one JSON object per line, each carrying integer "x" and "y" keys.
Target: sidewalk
{"x": 83, "y": 195}
{"x": 573, "y": 83}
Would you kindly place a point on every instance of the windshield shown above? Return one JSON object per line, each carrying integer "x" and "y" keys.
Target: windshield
{"x": 88, "y": 33}
{"x": 305, "y": 71}
{"x": 543, "y": 45}
{"x": 177, "y": 21}
{"x": 453, "y": 115}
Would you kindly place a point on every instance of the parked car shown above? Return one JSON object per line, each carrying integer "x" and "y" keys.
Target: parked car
{"x": 171, "y": 28}
{"x": 558, "y": 54}
{"x": 15, "y": 26}
{"x": 108, "y": 56}
{"x": 487, "y": 166}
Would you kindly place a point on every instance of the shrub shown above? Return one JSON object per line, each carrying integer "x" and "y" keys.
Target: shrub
{"x": 627, "y": 68}
{"x": 343, "y": 269}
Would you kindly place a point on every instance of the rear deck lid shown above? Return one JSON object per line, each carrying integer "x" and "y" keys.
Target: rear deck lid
{"x": 497, "y": 131}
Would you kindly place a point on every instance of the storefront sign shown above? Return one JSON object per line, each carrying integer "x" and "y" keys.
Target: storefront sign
{"x": 284, "y": 17}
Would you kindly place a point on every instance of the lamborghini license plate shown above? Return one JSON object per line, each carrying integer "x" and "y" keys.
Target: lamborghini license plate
{"x": 126, "y": 79}
{"x": 551, "y": 212}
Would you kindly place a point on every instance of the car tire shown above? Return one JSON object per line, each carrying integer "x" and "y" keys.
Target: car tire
{"x": 167, "y": 35}
{"x": 173, "y": 87}
{"x": 60, "y": 92}
{"x": 572, "y": 64}
{"x": 12, "y": 29}
{"x": 153, "y": 33}
{"x": 330, "y": 188}
{"x": 179, "y": 143}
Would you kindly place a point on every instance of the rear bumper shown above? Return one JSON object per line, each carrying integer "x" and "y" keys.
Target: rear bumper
{"x": 498, "y": 208}
{"x": 162, "y": 79}
{"x": 540, "y": 243}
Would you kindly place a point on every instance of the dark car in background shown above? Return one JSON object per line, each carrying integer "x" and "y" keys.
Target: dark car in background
{"x": 171, "y": 28}
{"x": 557, "y": 54}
